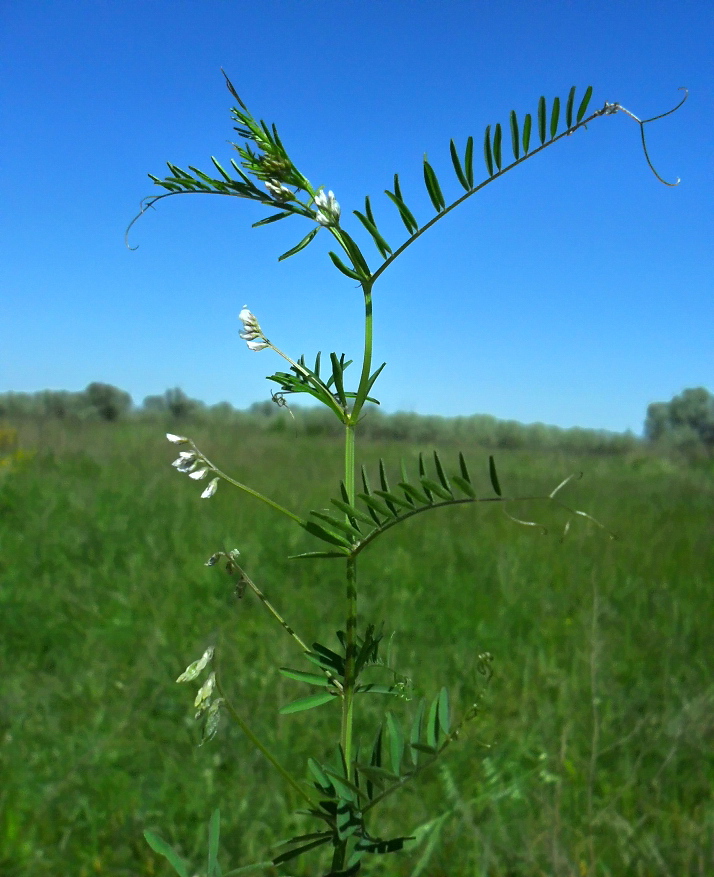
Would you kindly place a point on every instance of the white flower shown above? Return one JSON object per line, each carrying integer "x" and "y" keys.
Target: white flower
{"x": 198, "y": 474}
{"x": 184, "y": 459}
{"x": 192, "y": 671}
{"x": 211, "y": 489}
{"x": 251, "y": 333}
{"x": 278, "y": 190}
{"x": 176, "y": 439}
{"x": 328, "y": 207}
{"x": 205, "y": 691}
{"x": 250, "y": 323}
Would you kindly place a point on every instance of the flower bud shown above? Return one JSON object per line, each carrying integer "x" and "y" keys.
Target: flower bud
{"x": 205, "y": 691}
{"x": 211, "y": 489}
{"x": 192, "y": 671}
{"x": 198, "y": 474}
{"x": 328, "y": 207}
{"x": 176, "y": 439}
{"x": 278, "y": 191}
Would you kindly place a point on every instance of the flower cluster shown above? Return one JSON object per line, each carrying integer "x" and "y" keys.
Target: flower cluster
{"x": 328, "y": 208}
{"x": 279, "y": 192}
{"x": 204, "y": 703}
{"x": 193, "y": 463}
{"x": 251, "y": 333}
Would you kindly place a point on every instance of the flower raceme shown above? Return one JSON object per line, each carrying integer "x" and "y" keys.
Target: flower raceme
{"x": 328, "y": 208}
{"x": 251, "y": 333}
{"x": 193, "y": 464}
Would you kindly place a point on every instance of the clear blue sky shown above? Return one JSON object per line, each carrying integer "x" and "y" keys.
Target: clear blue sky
{"x": 574, "y": 291}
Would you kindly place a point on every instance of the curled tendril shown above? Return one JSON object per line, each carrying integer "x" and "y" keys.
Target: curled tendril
{"x": 146, "y": 203}
{"x": 614, "y": 108}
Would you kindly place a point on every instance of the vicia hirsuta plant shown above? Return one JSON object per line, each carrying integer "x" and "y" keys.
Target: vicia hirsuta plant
{"x": 342, "y": 794}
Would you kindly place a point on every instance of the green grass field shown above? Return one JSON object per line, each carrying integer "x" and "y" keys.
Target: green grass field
{"x": 593, "y": 754}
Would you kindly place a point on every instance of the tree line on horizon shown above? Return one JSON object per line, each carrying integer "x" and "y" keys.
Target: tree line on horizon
{"x": 685, "y": 424}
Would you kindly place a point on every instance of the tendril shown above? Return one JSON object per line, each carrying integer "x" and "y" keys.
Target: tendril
{"x": 614, "y": 108}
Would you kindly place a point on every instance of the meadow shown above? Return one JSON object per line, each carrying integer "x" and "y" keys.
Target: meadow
{"x": 592, "y": 754}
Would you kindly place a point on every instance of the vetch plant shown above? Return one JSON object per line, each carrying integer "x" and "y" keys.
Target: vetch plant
{"x": 342, "y": 794}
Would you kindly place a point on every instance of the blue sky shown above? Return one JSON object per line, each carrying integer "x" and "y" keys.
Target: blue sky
{"x": 574, "y": 291}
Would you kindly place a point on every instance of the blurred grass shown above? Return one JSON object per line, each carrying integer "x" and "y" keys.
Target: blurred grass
{"x": 593, "y": 755}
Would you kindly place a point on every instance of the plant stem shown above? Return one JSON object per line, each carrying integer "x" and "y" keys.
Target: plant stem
{"x": 350, "y": 462}
{"x": 273, "y": 505}
{"x": 367, "y": 358}
{"x": 349, "y": 680}
{"x": 258, "y": 743}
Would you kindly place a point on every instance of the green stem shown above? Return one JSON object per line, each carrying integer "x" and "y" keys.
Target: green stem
{"x": 367, "y": 358}
{"x": 258, "y": 743}
{"x": 245, "y": 578}
{"x": 350, "y": 462}
{"x": 244, "y": 487}
{"x": 349, "y": 679}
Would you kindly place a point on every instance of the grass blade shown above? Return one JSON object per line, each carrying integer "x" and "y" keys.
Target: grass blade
{"x": 214, "y": 831}
{"x": 163, "y": 849}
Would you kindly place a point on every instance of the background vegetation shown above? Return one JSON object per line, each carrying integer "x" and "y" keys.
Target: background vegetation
{"x": 683, "y": 426}
{"x": 593, "y": 754}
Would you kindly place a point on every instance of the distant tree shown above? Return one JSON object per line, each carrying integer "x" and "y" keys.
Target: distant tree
{"x": 686, "y": 419}
{"x": 107, "y": 402}
{"x": 174, "y": 403}
{"x": 59, "y": 403}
